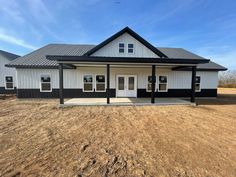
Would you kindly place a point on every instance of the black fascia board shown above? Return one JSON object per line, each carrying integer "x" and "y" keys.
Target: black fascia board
{"x": 132, "y": 33}
{"x": 187, "y": 68}
{"x": 63, "y": 58}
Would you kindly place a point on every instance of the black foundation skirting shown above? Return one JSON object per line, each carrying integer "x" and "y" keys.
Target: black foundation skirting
{"x": 179, "y": 93}
{"x": 78, "y": 93}
{"x": 68, "y": 93}
{"x": 4, "y": 91}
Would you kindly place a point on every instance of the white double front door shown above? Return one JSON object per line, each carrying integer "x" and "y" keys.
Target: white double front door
{"x": 126, "y": 86}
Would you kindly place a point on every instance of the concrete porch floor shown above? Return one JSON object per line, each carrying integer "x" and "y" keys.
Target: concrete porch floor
{"x": 125, "y": 101}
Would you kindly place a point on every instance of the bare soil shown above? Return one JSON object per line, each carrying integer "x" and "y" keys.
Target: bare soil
{"x": 38, "y": 139}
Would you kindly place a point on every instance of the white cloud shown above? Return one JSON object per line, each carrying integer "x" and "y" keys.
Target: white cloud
{"x": 16, "y": 41}
{"x": 40, "y": 11}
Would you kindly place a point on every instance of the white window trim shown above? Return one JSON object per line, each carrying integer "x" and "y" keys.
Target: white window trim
{"x": 199, "y": 85}
{"x": 147, "y": 84}
{"x": 130, "y": 48}
{"x": 119, "y": 47}
{"x": 104, "y": 83}
{"x": 92, "y": 83}
{"x": 40, "y": 82}
{"x": 163, "y": 83}
{"x": 9, "y": 82}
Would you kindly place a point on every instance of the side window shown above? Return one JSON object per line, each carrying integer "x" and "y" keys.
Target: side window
{"x": 88, "y": 83}
{"x": 130, "y": 48}
{"x": 45, "y": 83}
{"x": 9, "y": 83}
{"x": 198, "y": 84}
{"x": 162, "y": 84}
{"x": 121, "y": 48}
{"x": 100, "y": 83}
{"x": 149, "y": 84}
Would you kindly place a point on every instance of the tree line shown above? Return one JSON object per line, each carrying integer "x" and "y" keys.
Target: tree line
{"x": 227, "y": 79}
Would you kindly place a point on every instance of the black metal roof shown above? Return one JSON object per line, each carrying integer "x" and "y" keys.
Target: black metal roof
{"x": 9, "y": 56}
{"x": 37, "y": 58}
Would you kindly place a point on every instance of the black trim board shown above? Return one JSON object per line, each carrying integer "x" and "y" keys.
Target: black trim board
{"x": 188, "y": 68}
{"x": 4, "y": 91}
{"x": 67, "y": 93}
{"x": 141, "y": 93}
{"x": 105, "y": 60}
{"x": 133, "y": 34}
{"x": 178, "y": 93}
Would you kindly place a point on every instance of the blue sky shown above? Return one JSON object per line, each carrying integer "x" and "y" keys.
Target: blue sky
{"x": 205, "y": 27}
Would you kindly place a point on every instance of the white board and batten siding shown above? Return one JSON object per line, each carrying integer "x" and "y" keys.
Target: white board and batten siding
{"x": 112, "y": 48}
{"x": 30, "y": 78}
{"x": 5, "y": 71}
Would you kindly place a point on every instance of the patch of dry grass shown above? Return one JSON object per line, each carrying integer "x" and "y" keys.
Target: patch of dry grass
{"x": 38, "y": 139}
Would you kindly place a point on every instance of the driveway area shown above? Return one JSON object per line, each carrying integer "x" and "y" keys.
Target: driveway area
{"x": 39, "y": 139}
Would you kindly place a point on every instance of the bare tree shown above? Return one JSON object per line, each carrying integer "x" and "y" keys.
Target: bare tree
{"x": 227, "y": 79}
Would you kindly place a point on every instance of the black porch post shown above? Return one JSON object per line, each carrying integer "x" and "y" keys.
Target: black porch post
{"x": 193, "y": 84}
{"x": 153, "y": 84}
{"x": 61, "y": 83}
{"x": 108, "y": 83}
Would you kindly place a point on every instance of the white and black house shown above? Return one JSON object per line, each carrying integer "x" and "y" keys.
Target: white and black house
{"x": 124, "y": 65}
{"x": 7, "y": 75}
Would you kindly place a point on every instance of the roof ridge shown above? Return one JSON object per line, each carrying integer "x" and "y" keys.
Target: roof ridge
{"x": 71, "y": 44}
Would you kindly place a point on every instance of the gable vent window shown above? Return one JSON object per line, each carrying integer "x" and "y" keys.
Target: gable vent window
{"x": 100, "y": 83}
{"x": 45, "y": 83}
{"x": 130, "y": 48}
{"x": 9, "y": 83}
{"x": 162, "y": 84}
{"x": 197, "y": 84}
{"x": 121, "y": 48}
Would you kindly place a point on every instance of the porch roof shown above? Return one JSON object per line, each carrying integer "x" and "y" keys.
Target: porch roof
{"x": 96, "y": 59}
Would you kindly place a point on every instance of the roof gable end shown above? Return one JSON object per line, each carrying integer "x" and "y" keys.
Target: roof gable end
{"x": 131, "y": 33}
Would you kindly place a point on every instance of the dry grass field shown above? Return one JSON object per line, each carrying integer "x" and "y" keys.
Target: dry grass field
{"x": 38, "y": 139}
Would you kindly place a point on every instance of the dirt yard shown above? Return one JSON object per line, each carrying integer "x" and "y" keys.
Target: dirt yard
{"x": 38, "y": 139}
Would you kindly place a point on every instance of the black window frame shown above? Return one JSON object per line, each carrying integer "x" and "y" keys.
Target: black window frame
{"x": 198, "y": 83}
{"x": 130, "y": 48}
{"x": 43, "y": 82}
{"x": 121, "y": 48}
{"x": 98, "y": 82}
{"x": 7, "y": 82}
{"x": 162, "y": 83}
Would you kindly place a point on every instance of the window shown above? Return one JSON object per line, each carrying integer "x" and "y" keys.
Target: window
{"x": 121, "y": 48}
{"x": 162, "y": 84}
{"x": 88, "y": 83}
{"x": 45, "y": 83}
{"x": 130, "y": 48}
{"x": 149, "y": 84}
{"x": 100, "y": 83}
{"x": 197, "y": 84}
{"x": 9, "y": 83}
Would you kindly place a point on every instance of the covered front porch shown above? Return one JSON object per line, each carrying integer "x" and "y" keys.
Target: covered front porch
{"x": 125, "y": 101}
{"x": 151, "y": 64}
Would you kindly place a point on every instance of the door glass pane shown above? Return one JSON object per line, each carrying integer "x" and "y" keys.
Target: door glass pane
{"x": 131, "y": 83}
{"x": 121, "y": 83}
